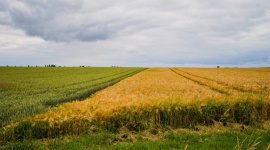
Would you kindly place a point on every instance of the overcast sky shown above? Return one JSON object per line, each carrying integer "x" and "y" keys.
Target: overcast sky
{"x": 135, "y": 33}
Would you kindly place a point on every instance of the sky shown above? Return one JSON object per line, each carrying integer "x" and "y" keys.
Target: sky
{"x": 144, "y": 33}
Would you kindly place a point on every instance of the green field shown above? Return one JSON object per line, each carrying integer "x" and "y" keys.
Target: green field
{"x": 27, "y": 91}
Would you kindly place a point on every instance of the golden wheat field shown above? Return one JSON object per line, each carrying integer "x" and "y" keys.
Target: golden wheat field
{"x": 177, "y": 97}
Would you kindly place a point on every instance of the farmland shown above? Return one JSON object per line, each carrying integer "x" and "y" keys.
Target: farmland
{"x": 28, "y": 91}
{"x": 178, "y": 98}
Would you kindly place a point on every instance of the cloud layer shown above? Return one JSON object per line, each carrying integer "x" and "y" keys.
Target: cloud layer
{"x": 135, "y": 33}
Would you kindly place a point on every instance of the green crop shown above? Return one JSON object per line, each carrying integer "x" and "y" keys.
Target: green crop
{"x": 28, "y": 91}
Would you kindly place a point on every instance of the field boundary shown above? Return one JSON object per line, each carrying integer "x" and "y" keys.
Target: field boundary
{"x": 88, "y": 93}
{"x": 38, "y": 101}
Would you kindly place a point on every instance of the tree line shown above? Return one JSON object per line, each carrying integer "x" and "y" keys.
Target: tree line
{"x": 50, "y": 65}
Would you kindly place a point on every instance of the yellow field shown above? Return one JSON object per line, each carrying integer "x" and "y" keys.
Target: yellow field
{"x": 247, "y": 80}
{"x": 179, "y": 97}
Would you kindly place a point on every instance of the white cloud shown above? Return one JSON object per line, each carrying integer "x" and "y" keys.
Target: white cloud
{"x": 15, "y": 39}
{"x": 143, "y": 32}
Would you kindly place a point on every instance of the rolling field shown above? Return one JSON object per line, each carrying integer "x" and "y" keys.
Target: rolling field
{"x": 28, "y": 91}
{"x": 155, "y": 97}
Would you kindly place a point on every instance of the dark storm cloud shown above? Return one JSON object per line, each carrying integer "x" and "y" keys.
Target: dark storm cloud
{"x": 56, "y": 20}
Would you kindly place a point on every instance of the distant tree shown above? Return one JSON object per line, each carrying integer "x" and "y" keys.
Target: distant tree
{"x": 28, "y": 66}
{"x": 51, "y": 65}
{"x": 218, "y": 66}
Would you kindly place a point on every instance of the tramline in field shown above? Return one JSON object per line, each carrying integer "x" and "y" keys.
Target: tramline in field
{"x": 246, "y": 80}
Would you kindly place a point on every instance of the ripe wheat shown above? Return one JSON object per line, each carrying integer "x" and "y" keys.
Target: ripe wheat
{"x": 157, "y": 96}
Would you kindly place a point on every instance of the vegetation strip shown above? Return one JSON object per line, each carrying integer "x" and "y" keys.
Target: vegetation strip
{"x": 155, "y": 138}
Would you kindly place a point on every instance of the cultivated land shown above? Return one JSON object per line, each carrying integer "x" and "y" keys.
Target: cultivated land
{"x": 28, "y": 91}
{"x": 188, "y": 108}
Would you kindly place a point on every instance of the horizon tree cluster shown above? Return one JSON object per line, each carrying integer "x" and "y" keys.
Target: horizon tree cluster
{"x": 50, "y": 65}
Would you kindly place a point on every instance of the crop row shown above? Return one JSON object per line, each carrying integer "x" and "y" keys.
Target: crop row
{"x": 35, "y": 90}
{"x": 156, "y": 96}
